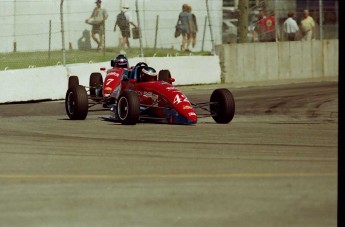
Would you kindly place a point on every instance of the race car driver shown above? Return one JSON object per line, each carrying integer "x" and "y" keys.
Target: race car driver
{"x": 119, "y": 62}
{"x": 148, "y": 74}
{"x": 112, "y": 83}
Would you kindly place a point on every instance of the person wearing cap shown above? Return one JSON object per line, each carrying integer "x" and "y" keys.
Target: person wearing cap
{"x": 97, "y": 20}
{"x": 125, "y": 28}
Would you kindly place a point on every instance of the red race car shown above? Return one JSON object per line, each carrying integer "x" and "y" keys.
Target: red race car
{"x": 140, "y": 94}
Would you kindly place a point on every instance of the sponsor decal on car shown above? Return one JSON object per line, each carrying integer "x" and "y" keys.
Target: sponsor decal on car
{"x": 171, "y": 88}
{"x": 187, "y": 107}
{"x": 113, "y": 74}
{"x": 147, "y": 94}
{"x": 153, "y": 96}
{"x": 155, "y": 100}
{"x": 107, "y": 91}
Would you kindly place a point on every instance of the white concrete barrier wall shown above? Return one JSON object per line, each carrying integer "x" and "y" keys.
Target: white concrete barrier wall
{"x": 279, "y": 61}
{"x": 32, "y": 84}
{"x": 51, "y": 82}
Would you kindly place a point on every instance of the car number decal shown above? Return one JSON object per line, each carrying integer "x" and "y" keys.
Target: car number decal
{"x": 180, "y": 98}
{"x": 109, "y": 81}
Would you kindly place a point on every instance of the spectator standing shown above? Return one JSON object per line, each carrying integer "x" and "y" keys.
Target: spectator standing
{"x": 193, "y": 27}
{"x": 97, "y": 20}
{"x": 290, "y": 27}
{"x": 124, "y": 21}
{"x": 270, "y": 28}
{"x": 260, "y": 28}
{"x": 307, "y": 26}
{"x": 185, "y": 22}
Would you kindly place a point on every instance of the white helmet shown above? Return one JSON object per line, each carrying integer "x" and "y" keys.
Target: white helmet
{"x": 148, "y": 74}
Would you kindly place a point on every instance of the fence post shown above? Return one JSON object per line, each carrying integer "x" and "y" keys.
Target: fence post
{"x": 321, "y": 19}
{"x": 156, "y": 34}
{"x": 210, "y": 24}
{"x": 203, "y": 37}
{"x": 63, "y": 35}
{"x": 103, "y": 37}
{"x": 50, "y": 38}
{"x": 140, "y": 36}
{"x": 14, "y": 27}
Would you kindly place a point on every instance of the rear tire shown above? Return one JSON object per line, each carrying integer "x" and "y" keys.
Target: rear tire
{"x": 164, "y": 75}
{"x": 73, "y": 81}
{"x": 76, "y": 103}
{"x": 222, "y": 106}
{"x": 96, "y": 81}
{"x": 128, "y": 108}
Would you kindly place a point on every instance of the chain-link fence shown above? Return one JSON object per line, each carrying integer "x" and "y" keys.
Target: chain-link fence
{"x": 51, "y": 32}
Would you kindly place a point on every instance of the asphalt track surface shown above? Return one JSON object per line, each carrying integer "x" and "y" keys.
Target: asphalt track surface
{"x": 275, "y": 164}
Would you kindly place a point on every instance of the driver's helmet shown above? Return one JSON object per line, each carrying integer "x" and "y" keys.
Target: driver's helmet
{"x": 148, "y": 74}
{"x": 119, "y": 62}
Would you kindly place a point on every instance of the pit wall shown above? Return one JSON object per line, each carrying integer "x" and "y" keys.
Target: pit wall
{"x": 279, "y": 61}
{"x": 235, "y": 64}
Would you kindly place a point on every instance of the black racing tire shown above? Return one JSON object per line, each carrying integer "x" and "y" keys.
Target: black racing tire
{"x": 76, "y": 103}
{"x": 164, "y": 75}
{"x": 96, "y": 81}
{"x": 222, "y": 105}
{"x": 128, "y": 108}
{"x": 73, "y": 81}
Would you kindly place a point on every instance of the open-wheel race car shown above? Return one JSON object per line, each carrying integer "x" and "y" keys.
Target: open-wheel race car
{"x": 139, "y": 94}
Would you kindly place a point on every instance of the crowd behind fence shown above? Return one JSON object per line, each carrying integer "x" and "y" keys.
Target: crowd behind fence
{"x": 325, "y": 15}
{"x": 41, "y": 31}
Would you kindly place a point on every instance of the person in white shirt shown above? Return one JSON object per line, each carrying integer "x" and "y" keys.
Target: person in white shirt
{"x": 290, "y": 27}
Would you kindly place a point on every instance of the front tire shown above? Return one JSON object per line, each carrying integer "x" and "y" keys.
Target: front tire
{"x": 222, "y": 105}
{"x": 76, "y": 103}
{"x": 128, "y": 108}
